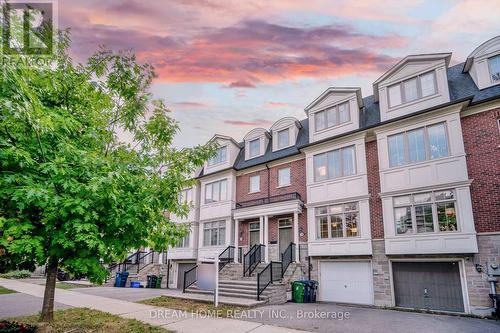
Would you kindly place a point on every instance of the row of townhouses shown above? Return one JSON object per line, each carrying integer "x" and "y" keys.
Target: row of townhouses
{"x": 391, "y": 199}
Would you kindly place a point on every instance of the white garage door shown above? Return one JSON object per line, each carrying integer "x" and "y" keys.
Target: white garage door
{"x": 346, "y": 282}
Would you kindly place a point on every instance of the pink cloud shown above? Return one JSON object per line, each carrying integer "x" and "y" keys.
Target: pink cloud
{"x": 243, "y": 123}
{"x": 190, "y": 105}
{"x": 276, "y": 105}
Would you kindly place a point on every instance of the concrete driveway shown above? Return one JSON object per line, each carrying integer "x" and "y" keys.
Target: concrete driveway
{"x": 328, "y": 318}
{"x": 125, "y": 294}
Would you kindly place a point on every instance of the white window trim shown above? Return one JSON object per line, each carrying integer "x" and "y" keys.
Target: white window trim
{"x": 336, "y": 107}
{"x": 212, "y": 183}
{"x": 290, "y": 140}
{"x": 419, "y": 90}
{"x": 250, "y": 184}
{"x": 218, "y": 233}
{"x": 219, "y": 163}
{"x": 290, "y": 177}
{"x": 341, "y": 164}
{"x": 489, "y": 69}
{"x": 344, "y": 228}
{"x": 259, "y": 153}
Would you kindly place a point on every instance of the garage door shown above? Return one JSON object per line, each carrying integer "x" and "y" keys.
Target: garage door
{"x": 346, "y": 282}
{"x": 181, "y": 268}
{"x": 434, "y": 286}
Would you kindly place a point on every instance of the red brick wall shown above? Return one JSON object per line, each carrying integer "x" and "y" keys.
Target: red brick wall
{"x": 376, "y": 219}
{"x": 482, "y": 147}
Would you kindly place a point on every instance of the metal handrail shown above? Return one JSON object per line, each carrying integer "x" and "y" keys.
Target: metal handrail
{"x": 271, "y": 273}
{"x": 189, "y": 278}
{"x": 288, "y": 256}
{"x": 226, "y": 257}
{"x": 255, "y": 258}
{"x": 272, "y": 199}
{"x": 247, "y": 255}
{"x": 143, "y": 260}
{"x": 122, "y": 266}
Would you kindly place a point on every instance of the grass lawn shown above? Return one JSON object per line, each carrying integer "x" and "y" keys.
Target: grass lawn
{"x": 65, "y": 285}
{"x": 190, "y": 305}
{"x": 6, "y": 291}
{"x": 85, "y": 320}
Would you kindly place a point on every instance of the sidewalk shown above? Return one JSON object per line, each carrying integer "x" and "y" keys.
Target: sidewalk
{"x": 144, "y": 313}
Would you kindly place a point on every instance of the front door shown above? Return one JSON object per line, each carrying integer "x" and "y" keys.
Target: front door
{"x": 285, "y": 234}
{"x": 428, "y": 285}
{"x": 254, "y": 233}
{"x": 181, "y": 268}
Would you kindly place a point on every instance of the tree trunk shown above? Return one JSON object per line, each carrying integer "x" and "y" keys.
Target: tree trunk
{"x": 50, "y": 288}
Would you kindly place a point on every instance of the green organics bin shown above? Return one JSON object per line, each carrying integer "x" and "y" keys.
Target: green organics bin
{"x": 298, "y": 288}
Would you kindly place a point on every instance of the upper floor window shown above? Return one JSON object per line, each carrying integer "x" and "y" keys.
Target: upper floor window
{"x": 418, "y": 145}
{"x": 254, "y": 184}
{"x": 337, "y": 221}
{"x": 494, "y": 64}
{"x": 410, "y": 90}
{"x": 333, "y": 116}
{"x": 425, "y": 212}
{"x": 214, "y": 233}
{"x": 283, "y": 138}
{"x": 220, "y": 156}
{"x": 186, "y": 196}
{"x": 335, "y": 163}
{"x": 216, "y": 191}
{"x": 254, "y": 148}
{"x": 183, "y": 242}
{"x": 284, "y": 177}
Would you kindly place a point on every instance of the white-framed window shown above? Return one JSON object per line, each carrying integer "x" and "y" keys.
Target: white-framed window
{"x": 283, "y": 138}
{"x": 216, "y": 191}
{"x": 254, "y": 148}
{"x": 336, "y": 163}
{"x": 425, "y": 212}
{"x": 284, "y": 178}
{"x": 214, "y": 233}
{"x": 424, "y": 143}
{"x": 183, "y": 242}
{"x": 254, "y": 183}
{"x": 332, "y": 116}
{"x": 412, "y": 89}
{"x": 220, "y": 156}
{"x": 494, "y": 65}
{"x": 186, "y": 196}
{"x": 337, "y": 221}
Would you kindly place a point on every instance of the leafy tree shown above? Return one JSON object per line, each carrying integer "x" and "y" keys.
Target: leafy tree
{"x": 72, "y": 195}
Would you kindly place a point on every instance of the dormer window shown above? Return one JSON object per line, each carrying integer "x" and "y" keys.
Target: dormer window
{"x": 254, "y": 148}
{"x": 220, "y": 156}
{"x": 283, "y": 138}
{"x": 412, "y": 89}
{"x": 494, "y": 64}
{"x": 331, "y": 117}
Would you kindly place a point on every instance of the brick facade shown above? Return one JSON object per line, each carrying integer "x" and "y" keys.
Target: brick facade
{"x": 376, "y": 219}
{"x": 482, "y": 147}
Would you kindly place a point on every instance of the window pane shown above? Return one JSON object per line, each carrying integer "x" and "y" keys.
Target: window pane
{"x": 284, "y": 177}
{"x": 254, "y": 147}
{"x": 331, "y": 117}
{"x": 447, "y": 216}
{"x": 445, "y": 195}
{"x": 319, "y": 121}
{"x": 427, "y": 83}
{"x": 213, "y": 237}
{"x": 403, "y": 220}
{"x": 322, "y": 223}
{"x": 336, "y": 223}
{"x": 351, "y": 207}
{"x": 394, "y": 95}
{"x": 437, "y": 141}
{"x": 351, "y": 224}
{"x": 416, "y": 145}
{"x": 422, "y": 198}
{"x": 402, "y": 200}
{"x": 223, "y": 189}
{"x": 410, "y": 88}
{"x": 334, "y": 164}
{"x": 222, "y": 236}
{"x": 216, "y": 191}
{"x": 494, "y": 64}
{"x": 321, "y": 210}
{"x": 337, "y": 209}
{"x": 344, "y": 115}
{"x": 208, "y": 193}
{"x": 348, "y": 161}
{"x": 320, "y": 171}
{"x": 283, "y": 138}
{"x": 396, "y": 150}
{"x": 254, "y": 184}
{"x": 206, "y": 237}
{"x": 423, "y": 215}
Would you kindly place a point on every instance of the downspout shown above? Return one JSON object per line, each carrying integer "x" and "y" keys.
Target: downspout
{"x": 268, "y": 181}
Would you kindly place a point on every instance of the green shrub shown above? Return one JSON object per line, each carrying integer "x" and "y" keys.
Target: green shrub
{"x": 16, "y": 275}
{"x": 14, "y": 327}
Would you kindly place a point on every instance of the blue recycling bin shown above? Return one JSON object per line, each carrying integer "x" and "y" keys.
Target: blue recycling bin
{"x": 311, "y": 286}
{"x": 121, "y": 279}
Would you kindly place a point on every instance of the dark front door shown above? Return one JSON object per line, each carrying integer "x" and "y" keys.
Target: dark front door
{"x": 254, "y": 233}
{"x": 285, "y": 234}
{"x": 428, "y": 285}
{"x": 181, "y": 268}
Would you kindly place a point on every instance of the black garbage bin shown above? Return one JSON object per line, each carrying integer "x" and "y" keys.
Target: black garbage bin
{"x": 310, "y": 291}
{"x": 152, "y": 279}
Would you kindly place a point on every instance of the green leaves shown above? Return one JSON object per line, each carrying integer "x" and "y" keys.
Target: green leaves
{"x": 70, "y": 189}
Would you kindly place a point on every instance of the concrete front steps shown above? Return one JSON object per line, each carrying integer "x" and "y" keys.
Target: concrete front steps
{"x": 247, "y": 289}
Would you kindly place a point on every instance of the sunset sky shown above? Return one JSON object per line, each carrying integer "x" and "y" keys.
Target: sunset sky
{"x": 229, "y": 66}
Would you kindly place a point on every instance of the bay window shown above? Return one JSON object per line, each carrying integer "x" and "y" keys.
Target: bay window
{"x": 183, "y": 242}
{"x": 337, "y": 221}
{"x": 214, "y": 233}
{"x": 335, "y": 163}
{"x": 425, "y": 212}
{"x": 412, "y": 89}
{"x": 216, "y": 191}
{"x": 417, "y": 145}
{"x": 332, "y": 116}
{"x": 220, "y": 156}
{"x": 186, "y": 196}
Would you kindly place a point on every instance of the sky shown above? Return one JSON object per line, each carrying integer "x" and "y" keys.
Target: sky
{"x": 228, "y": 66}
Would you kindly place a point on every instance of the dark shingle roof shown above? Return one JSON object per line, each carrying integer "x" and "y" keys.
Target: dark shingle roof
{"x": 461, "y": 87}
